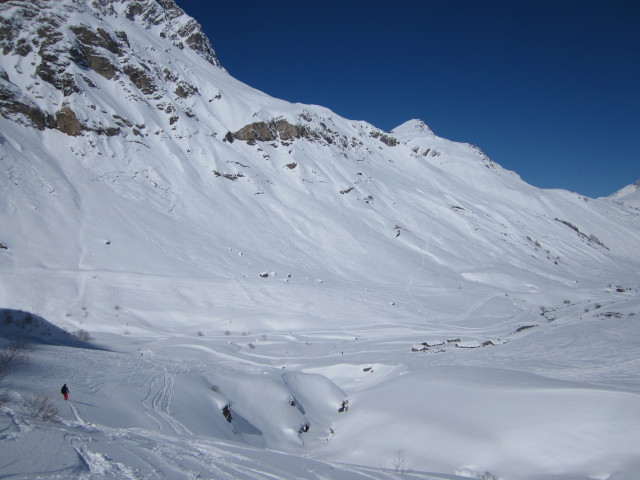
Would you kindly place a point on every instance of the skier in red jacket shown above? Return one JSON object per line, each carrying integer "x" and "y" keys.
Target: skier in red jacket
{"x": 65, "y": 392}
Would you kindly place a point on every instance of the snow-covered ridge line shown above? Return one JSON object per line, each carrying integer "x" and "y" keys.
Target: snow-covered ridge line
{"x": 629, "y": 195}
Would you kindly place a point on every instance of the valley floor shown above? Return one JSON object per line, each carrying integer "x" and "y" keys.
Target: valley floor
{"x": 559, "y": 399}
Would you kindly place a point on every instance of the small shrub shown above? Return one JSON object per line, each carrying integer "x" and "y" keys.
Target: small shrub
{"x": 83, "y": 335}
{"x": 11, "y": 355}
{"x": 27, "y": 320}
{"x": 42, "y": 407}
{"x": 488, "y": 476}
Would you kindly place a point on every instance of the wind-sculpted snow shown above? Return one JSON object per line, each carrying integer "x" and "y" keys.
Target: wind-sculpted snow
{"x": 278, "y": 289}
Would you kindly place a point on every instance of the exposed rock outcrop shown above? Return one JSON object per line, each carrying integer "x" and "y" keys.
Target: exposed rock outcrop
{"x": 270, "y": 131}
{"x": 178, "y": 28}
{"x": 283, "y": 131}
{"x": 384, "y": 138}
{"x": 67, "y": 122}
{"x": 142, "y": 79}
{"x": 87, "y": 53}
{"x": 65, "y": 53}
{"x": 16, "y": 106}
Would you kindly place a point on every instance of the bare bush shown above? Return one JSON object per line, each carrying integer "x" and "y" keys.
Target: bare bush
{"x": 83, "y": 335}
{"x": 399, "y": 463}
{"x": 488, "y": 476}
{"x": 11, "y": 355}
{"x": 42, "y": 407}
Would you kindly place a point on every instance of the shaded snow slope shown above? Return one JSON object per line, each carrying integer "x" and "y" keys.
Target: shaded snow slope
{"x": 241, "y": 257}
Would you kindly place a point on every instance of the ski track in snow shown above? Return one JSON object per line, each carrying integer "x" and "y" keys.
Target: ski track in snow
{"x": 78, "y": 444}
{"x": 467, "y": 313}
{"x": 157, "y": 403}
{"x": 74, "y": 410}
{"x": 222, "y": 359}
{"x": 157, "y": 456}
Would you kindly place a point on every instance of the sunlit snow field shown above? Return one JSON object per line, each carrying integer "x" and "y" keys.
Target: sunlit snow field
{"x": 558, "y": 399}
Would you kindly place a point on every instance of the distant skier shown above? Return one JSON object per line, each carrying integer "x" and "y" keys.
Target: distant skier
{"x": 65, "y": 392}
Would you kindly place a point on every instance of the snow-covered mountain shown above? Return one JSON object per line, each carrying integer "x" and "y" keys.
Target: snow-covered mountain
{"x": 629, "y": 195}
{"x": 215, "y": 236}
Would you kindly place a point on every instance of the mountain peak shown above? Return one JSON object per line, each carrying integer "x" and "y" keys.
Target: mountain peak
{"x": 413, "y": 128}
{"x": 629, "y": 195}
{"x": 175, "y": 23}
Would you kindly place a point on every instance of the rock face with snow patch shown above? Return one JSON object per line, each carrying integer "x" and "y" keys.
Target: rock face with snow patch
{"x": 57, "y": 57}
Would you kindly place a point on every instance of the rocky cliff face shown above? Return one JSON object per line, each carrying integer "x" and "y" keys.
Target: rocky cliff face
{"x": 58, "y": 55}
{"x": 74, "y": 47}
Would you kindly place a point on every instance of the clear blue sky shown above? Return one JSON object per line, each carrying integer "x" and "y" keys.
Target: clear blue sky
{"x": 549, "y": 89}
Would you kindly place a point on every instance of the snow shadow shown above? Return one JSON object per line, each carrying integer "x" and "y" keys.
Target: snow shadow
{"x": 20, "y": 325}
{"x": 244, "y": 427}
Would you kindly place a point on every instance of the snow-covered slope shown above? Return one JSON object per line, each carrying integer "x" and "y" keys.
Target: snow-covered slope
{"x": 214, "y": 236}
{"x": 629, "y": 195}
